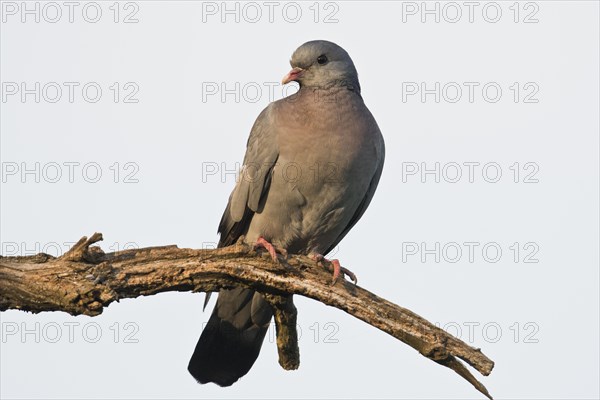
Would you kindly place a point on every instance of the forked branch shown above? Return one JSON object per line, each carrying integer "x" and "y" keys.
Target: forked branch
{"x": 85, "y": 280}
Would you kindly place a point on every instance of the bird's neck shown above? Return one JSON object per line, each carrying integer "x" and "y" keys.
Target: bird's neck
{"x": 333, "y": 87}
{"x": 332, "y": 92}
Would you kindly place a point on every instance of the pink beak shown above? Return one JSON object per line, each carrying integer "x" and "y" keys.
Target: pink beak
{"x": 292, "y": 75}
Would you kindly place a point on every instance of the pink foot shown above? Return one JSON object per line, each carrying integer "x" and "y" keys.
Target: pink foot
{"x": 337, "y": 269}
{"x": 262, "y": 242}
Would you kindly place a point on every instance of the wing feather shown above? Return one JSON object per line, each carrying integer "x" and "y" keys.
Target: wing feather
{"x": 262, "y": 151}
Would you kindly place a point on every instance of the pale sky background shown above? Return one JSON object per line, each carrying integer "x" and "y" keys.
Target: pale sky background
{"x": 533, "y": 308}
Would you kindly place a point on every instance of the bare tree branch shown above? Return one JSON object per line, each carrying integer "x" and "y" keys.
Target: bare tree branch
{"x": 85, "y": 280}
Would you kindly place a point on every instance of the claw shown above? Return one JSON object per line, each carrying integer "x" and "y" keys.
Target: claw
{"x": 337, "y": 269}
{"x": 262, "y": 242}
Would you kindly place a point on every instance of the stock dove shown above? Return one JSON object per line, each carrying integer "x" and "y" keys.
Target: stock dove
{"x": 312, "y": 163}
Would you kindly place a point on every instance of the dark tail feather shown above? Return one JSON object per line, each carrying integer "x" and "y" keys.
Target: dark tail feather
{"x": 231, "y": 341}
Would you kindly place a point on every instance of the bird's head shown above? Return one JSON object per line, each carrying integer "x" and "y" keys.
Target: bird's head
{"x": 320, "y": 63}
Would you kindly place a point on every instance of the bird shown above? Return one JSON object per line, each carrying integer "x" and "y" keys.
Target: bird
{"x": 313, "y": 161}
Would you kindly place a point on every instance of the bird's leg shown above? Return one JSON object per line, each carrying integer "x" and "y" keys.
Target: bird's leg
{"x": 262, "y": 242}
{"x": 337, "y": 268}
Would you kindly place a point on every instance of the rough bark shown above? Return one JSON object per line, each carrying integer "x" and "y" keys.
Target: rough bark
{"x": 85, "y": 280}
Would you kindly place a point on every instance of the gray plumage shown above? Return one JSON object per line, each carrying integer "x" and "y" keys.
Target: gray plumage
{"x": 312, "y": 164}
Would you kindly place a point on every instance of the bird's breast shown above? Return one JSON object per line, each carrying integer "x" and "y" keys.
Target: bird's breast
{"x": 327, "y": 157}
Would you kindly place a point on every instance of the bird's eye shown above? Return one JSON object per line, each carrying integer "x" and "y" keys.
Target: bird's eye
{"x": 322, "y": 59}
